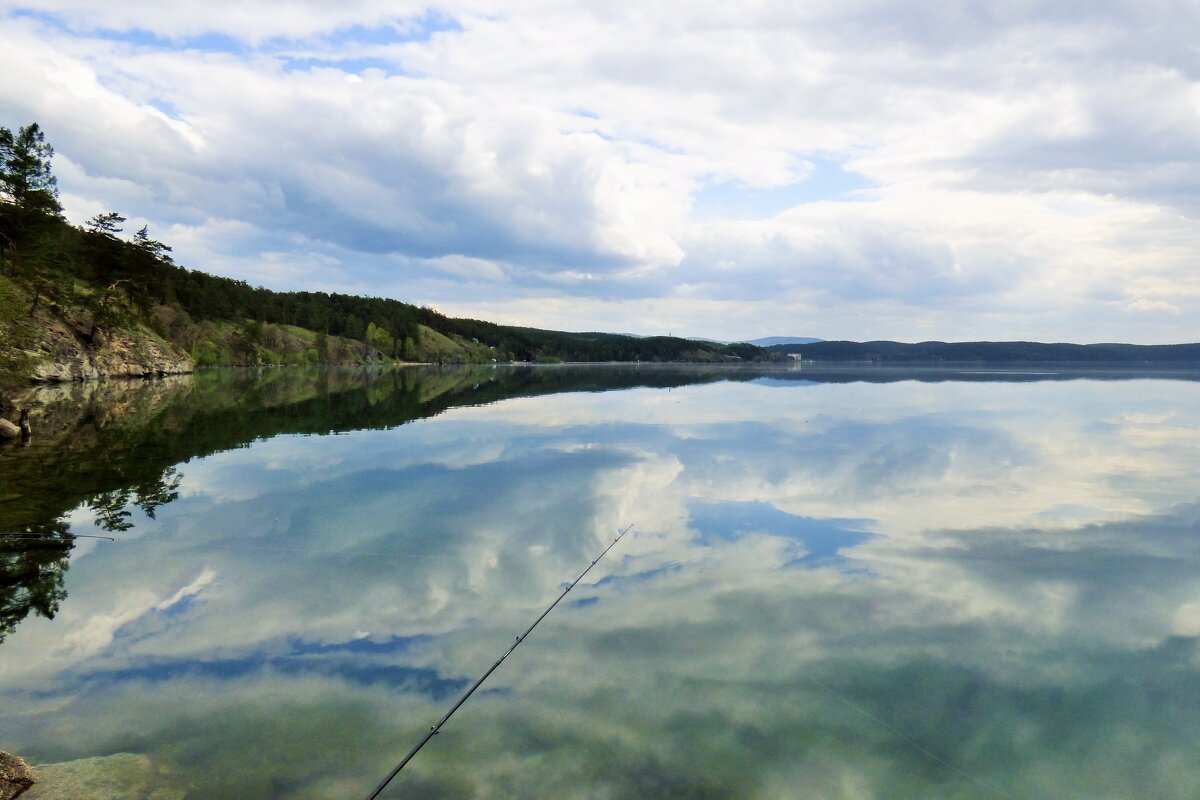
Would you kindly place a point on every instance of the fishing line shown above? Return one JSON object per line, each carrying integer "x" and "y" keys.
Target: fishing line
{"x": 315, "y": 551}
{"x": 148, "y": 541}
{"x": 55, "y": 535}
{"x": 434, "y": 730}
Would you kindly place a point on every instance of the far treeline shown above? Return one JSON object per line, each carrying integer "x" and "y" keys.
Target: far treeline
{"x": 98, "y": 277}
{"x": 926, "y": 353}
{"x": 124, "y": 280}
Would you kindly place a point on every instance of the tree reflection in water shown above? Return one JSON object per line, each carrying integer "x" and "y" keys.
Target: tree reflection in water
{"x": 33, "y": 564}
{"x": 34, "y": 561}
{"x": 111, "y": 446}
{"x": 113, "y": 508}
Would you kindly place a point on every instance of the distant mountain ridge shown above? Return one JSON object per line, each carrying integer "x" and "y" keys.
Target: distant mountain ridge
{"x": 766, "y": 341}
{"x": 771, "y": 341}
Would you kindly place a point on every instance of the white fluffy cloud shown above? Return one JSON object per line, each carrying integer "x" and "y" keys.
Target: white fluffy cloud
{"x": 1004, "y": 170}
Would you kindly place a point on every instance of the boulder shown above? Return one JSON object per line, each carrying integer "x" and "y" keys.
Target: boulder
{"x": 15, "y": 776}
{"x": 8, "y": 430}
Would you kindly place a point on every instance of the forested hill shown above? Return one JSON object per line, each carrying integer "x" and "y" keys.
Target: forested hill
{"x": 991, "y": 353}
{"x": 59, "y": 281}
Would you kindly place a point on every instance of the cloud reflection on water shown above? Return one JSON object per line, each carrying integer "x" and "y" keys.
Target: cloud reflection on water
{"x": 1001, "y": 575}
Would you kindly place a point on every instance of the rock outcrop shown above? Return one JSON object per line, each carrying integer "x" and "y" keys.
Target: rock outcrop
{"x": 75, "y": 350}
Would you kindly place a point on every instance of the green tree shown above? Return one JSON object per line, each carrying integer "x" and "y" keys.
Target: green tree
{"x": 154, "y": 249}
{"x": 354, "y": 327}
{"x": 380, "y": 339}
{"x": 107, "y": 224}
{"x": 26, "y": 180}
{"x": 29, "y": 209}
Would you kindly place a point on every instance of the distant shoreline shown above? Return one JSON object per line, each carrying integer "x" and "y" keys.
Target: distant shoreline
{"x": 990, "y": 353}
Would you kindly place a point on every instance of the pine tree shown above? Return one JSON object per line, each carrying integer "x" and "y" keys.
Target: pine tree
{"x": 26, "y": 180}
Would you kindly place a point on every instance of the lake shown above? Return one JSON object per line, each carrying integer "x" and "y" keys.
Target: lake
{"x": 844, "y": 583}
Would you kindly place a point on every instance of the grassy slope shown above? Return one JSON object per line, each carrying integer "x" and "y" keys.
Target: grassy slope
{"x": 16, "y": 329}
{"x": 223, "y": 343}
{"x": 437, "y": 348}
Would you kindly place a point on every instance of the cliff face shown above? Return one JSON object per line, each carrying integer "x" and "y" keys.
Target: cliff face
{"x": 72, "y": 349}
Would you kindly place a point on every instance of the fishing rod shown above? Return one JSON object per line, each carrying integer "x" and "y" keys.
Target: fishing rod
{"x": 68, "y": 535}
{"x": 434, "y": 730}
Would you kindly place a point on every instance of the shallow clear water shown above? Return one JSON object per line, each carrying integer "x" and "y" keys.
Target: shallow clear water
{"x": 836, "y": 587}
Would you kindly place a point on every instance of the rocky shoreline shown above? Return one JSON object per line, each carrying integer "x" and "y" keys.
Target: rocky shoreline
{"x": 127, "y": 358}
{"x": 75, "y": 349}
{"x": 72, "y": 348}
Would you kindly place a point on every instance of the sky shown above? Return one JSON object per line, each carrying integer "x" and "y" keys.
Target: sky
{"x": 852, "y": 170}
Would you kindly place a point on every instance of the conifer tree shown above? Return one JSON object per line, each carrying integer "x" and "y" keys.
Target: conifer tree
{"x": 26, "y": 180}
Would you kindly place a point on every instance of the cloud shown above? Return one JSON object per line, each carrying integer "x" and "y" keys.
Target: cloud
{"x": 1142, "y": 304}
{"x": 1014, "y": 166}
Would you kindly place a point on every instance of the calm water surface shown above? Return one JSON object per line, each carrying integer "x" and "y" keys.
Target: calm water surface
{"x": 971, "y": 585}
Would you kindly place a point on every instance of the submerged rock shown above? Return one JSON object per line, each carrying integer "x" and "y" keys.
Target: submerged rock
{"x": 21, "y": 431}
{"x": 124, "y": 776}
{"x": 9, "y": 430}
{"x": 15, "y": 776}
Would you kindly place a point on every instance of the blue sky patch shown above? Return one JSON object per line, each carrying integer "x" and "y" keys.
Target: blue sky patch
{"x": 393, "y": 644}
{"x": 181, "y": 606}
{"x": 345, "y": 661}
{"x": 421, "y": 29}
{"x": 637, "y": 577}
{"x": 823, "y": 539}
{"x": 348, "y": 65}
{"x": 166, "y": 107}
{"x": 734, "y": 201}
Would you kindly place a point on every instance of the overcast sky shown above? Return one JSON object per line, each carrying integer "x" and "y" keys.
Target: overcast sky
{"x": 855, "y": 169}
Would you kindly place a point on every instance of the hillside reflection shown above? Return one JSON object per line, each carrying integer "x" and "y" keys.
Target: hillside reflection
{"x": 863, "y": 588}
{"x": 113, "y": 446}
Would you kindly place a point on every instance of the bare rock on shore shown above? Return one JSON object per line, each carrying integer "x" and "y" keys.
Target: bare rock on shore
{"x": 9, "y": 430}
{"x": 63, "y": 356}
{"x": 15, "y": 776}
{"x": 68, "y": 346}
